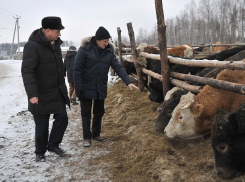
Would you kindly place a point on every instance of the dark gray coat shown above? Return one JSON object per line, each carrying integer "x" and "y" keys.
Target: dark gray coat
{"x": 68, "y": 65}
{"x": 43, "y": 74}
{"x": 91, "y": 69}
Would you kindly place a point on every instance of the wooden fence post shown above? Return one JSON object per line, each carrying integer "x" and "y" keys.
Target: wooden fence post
{"x": 119, "y": 44}
{"x": 133, "y": 47}
{"x": 162, "y": 41}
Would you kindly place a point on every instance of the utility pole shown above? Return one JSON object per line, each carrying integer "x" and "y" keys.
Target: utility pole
{"x": 16, "y": 24}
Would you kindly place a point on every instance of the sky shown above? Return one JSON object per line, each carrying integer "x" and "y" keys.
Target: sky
{"x": 82, "y": 18}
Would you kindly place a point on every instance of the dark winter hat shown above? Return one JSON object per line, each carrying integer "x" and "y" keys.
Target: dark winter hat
{"x": 102, "y": 33}
{"x": 72, "y": 48}
{"x": 52, "y": 22}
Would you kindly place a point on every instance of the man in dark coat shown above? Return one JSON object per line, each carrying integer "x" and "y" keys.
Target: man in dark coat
{"x": 43, "y": 77}
{"x": 68, "y": 67}
{"x": 92, "y": 63}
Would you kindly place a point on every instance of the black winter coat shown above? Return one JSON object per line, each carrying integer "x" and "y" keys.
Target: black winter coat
{"x": 91, "y": 70}
{"x": 43, "y": 74}
{"x": 68, "y": 65}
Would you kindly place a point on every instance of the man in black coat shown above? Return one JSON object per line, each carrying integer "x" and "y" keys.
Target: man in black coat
{"x": 68, "y": 67}
{"x": 43, "y": 77}
{"x": 92, "y": 63}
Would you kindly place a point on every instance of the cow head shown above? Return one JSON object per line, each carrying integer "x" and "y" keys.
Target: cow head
{"x": 228, "y": 136}
{"x": 165, "y": 110}
{"x": 182, "y": 122}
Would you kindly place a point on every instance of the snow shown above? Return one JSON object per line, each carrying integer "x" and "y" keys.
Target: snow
{"x": 17, "y": 144}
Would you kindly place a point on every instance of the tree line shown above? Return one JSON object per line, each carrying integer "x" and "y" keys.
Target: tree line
{"x": 208, "y": 22}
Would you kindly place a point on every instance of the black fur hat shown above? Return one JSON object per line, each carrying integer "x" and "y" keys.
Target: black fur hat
{"x": 102, "y": 33}
{"x": 52, "y": 22}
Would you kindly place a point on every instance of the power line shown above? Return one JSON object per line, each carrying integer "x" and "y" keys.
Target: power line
{"x": 7, "y": 36}
{"x": 6, "y": 28}
{"x": 8, "y": 23}
{"x": 8, "y": 11}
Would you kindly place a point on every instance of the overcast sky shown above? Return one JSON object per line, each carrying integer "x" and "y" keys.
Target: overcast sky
{"x": 82, "y": 18}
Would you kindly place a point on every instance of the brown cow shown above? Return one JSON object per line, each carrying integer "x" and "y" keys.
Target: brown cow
{"x": 220, "y": 48}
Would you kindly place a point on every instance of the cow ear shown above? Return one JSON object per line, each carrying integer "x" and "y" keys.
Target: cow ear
{"x": 197, "y": 110}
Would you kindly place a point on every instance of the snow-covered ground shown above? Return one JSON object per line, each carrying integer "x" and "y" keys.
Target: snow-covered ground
{"x": 17, "y": 158}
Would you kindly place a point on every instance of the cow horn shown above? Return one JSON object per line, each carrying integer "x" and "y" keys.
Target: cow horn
{"x": 188, "y": 105}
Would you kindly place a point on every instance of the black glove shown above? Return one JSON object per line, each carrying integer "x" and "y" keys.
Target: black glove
{"x": 79, "y": 94}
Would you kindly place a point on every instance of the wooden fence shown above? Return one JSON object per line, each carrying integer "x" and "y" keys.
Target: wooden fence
{"x": 175, "y": 78}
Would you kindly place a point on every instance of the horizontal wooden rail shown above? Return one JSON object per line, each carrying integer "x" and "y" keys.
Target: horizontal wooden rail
{"x": 234, "y": 87}
{"x": 185, "y": 85}
{"x": 239, "y": 65}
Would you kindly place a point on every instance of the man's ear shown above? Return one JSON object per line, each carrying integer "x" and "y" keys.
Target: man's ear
{"x": 197, "y": 110}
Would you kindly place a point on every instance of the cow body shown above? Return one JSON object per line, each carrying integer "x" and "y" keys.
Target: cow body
{"x": 165, "y": 110}
{"x": 143, "y": 47}
{"x": 155, "y": 85}
{"x": 220, "y": 48}
{"x": 193, "y": 116}
{"x": 228, "y": 136}
{"x": 184, "y": 51}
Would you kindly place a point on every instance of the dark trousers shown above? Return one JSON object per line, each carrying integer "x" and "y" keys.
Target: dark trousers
{"x": 42, "y": 139}
{"x": 98, "y": 112}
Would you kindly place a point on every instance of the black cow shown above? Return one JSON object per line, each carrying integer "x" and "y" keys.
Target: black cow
{"x": 166, "y": 108}
{"x": 155, "y": 85}
{"x": 129, "y": 67}
{"x": 225, "y": 54}
{"x": 228, "y": 143}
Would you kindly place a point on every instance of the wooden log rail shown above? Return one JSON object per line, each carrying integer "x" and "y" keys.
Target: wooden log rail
{"x": 234, "y": 87}
{"x": 185, "y": 85}
{"x": 205, "y": 63}
{"x": 179, "y": 83}
{"x": 239, "y": 65}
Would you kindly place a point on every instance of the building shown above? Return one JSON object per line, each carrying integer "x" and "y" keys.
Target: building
{"x": 64, "y": 50}
{"x": 16, "y": 55}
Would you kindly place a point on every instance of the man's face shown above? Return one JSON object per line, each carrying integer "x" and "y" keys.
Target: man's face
{"x": 52, "y": 35}
{"x": 102, "y": 43}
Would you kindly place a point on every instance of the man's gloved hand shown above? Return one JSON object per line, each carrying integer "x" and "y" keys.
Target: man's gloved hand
{"x": 79, "y": 94}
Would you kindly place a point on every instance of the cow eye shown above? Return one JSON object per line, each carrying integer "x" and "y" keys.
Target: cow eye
{"x": 180, "y": 117}
{"x": 169, "y": 112}
{"x": 222, "y": 148}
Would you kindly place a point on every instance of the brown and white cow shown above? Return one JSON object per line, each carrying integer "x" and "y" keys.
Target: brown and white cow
{"x": 193, "y": 116}
{"x": 184, "y": 51}
{"x": 143, "y": 47}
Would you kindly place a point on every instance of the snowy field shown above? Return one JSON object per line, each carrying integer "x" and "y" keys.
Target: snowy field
{"x": 17, "y": 157}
